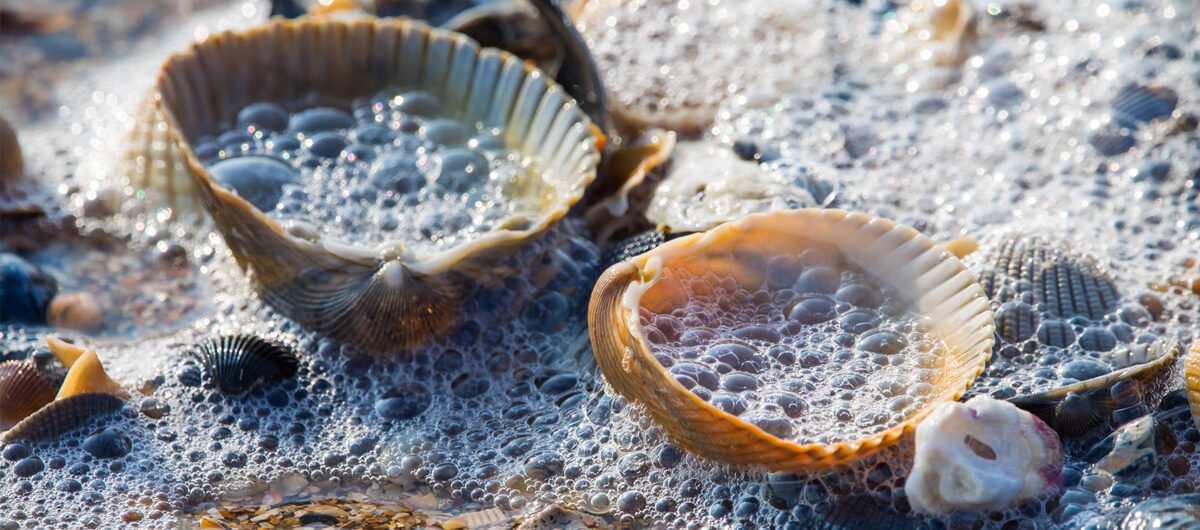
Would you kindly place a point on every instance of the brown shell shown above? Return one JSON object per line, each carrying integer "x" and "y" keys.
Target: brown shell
{"x": 23, "y": 391}
{"x": 1191, "y": 380}
{"x": 62, "y": 416}
{"x": 898, "y": 255}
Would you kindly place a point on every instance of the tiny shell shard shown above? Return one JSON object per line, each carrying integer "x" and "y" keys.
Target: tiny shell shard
{"x": 707, "y": 332}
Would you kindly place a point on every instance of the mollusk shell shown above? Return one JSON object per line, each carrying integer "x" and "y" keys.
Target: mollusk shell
{"x": 1076, "y": 409}
{"x": 240, "y": 363}
{"x": 383, "y": 298}
{"x": 1066, "y": 283}
{"x": 940, "y": 286}
{"x": 23, "y": 391}
{"x": 63, "y": 415}
{"x": 1191, "y": 370}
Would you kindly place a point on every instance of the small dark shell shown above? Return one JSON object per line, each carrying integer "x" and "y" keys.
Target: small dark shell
{"x": 25, "y": 290}
{"x": 63, "y": 415}
{"x": 22, "y": 392}
{"x": 238, "y": 364}
{"x": 1065, "y": 283}
{"x": 1136, "y": 104}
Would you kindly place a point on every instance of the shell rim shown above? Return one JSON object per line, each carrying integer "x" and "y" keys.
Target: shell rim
{"x": 439, "y": 260}
{"x": 649, "y": 267}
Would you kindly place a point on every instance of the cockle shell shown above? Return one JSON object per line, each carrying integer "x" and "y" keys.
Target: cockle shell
{"x": 23, "y": 390}
{"x": 938, "y": 284}
{"x": 387, "y": 297}
{"x": 63, "y": 415}
{"x": 240, "y": 363}
{"x": 1191, "y": 371}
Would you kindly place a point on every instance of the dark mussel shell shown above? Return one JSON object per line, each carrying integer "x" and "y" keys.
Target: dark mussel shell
{"x": 238, "y": 364}
{"x": 25, "y": 291}
{"x": 634, "y": 245}
{"x": 1076, "y": 409}
{"x": 23, "y": 391}
{"x": 1065, "y": 283}
{"x": 62, "y": 416}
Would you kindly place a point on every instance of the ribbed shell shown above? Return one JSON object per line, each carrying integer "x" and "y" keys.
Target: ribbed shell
{"x": 939, "y": 285}
{"x": 238, "y": 364}
{"x": 1076, "y": 409}
{"x": 23, "y": 391}
{"x": 632, "y": 246}
{"x": 62, "y": 416}
{"x": 1136, "y": 104}
{"x": 1191, "y": 370}
{"x": 380, "y": 298}
{"x": 1064, "y": 283}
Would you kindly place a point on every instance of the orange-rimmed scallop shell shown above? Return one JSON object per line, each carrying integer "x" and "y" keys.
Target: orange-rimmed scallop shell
{"x": 934, "y": 280}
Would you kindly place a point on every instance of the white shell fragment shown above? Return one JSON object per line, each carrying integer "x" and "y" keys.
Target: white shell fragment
{"x": 981, "y": 455}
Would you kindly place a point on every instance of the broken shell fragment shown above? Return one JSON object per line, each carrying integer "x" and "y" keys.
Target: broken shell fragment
{"x": 23, "y": 390}
{"x": 1076, "y": 409}
{"x": 984, "y": 454}
{"x": 64, "y": 351}
{"x": 86, "y": 374}
{"x": 683, "y": 329}
{"x": 377, "y": 291}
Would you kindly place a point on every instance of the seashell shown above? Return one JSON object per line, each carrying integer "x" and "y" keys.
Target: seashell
{"x": 1075, "y": 409}
{"x": 86, "y": 374}
{"x": 393, "y": 295}
{"x": 860, "y": 511}
{"x": 24, "y": 290}
{"x": 23, "y": 391}
{"x": 708, "y": 184}
{"x": 632, "y": 246}
{"x": 1128, "y": 455}
{"x": 984, "y": 454}
{"x": 240, "y": 363}
{"x": 1135, "y": 104}
{"x": 627, "y": 171}
{"x": 1191, "y": 378}
{"x": 78, "y": 311}
{"x": 64, "y": 351}
{"x": 12, "y": 163}
{"x": 961, "y": 247}
{"x": 1064, "y": 283}
{"x": 62, "y": 416}
{"x": 756, "y": 253}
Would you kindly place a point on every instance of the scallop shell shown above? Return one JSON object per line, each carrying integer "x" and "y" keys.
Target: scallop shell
{"x": 63, "y": 415}
{"x": 897, "y": 255}
{"x": 1191, "y": 370}
{"x": 387, "y": 297}
{"x": 23, "y": 391}
{"x": 1075, "y": 409}
{"x": 1065, "y": 283}
{"x": 240, "y": 363}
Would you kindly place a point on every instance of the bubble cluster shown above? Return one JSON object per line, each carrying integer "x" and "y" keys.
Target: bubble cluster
{"x": 393, "y": 168}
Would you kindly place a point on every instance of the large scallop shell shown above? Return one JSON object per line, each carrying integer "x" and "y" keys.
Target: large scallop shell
{"x": 1191, "y": 370}
{"x": 23, "y": 391}
{"x": 937, "y": 283}
{"x": 386, "y": 297}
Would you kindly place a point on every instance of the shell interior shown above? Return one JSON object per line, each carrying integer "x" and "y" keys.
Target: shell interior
{"x": 734, "y": 339}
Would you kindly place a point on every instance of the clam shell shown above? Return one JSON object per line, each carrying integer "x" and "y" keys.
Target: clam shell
{"x": 386, "y": 297}
{"x": 62, "y": 416}
{"x": 23, "y": 391}
{"x": 923, "y": 272}
{"x": 1191, "y": 380}
{"x": 1076, "y": 409}
{"x": 240, "y": 363}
